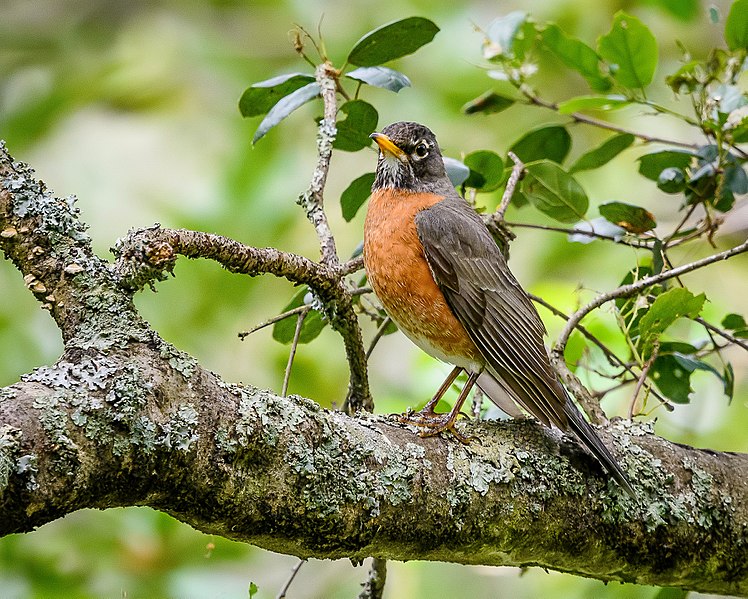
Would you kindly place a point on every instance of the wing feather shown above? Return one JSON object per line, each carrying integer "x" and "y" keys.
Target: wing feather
{"x": 498, "y": 315}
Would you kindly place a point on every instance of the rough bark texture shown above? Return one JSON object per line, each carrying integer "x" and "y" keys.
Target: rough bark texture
{"x": 124, "y": 418}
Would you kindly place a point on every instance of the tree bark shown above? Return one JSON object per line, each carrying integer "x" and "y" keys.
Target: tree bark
{"x": 123, "y": 418}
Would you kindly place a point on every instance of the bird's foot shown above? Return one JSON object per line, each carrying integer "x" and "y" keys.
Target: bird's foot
{"x": 435, "y": 423}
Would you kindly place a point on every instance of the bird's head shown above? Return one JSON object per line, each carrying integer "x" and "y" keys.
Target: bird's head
{"x": 409, "y": 158}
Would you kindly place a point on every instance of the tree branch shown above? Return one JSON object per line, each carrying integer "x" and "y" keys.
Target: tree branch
{"x": 312, "y": 200}
{"x": 146, "y": 255}
{"x": 632, "y": 288}
{"x": 579, "y": 117}
{"x": 148, "y": 426}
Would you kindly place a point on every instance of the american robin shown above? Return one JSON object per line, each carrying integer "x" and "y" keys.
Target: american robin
{"x": 443, "y": 280}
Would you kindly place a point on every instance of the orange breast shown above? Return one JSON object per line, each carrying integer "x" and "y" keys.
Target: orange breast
{"x": 401, "y": 278}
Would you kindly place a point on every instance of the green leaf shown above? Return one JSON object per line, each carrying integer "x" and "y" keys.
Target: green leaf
{"x": 734, "y": 322}
{"x": 383, "y": 77}
{"x": 577, "y": 55}
{"x": 687, "y": 76}
{"x": 658, "y": 257}
{"x": 253, "y": 589}
{"x": 501, "y": 33}
{"x": 651, "y": 165}
{"x": 286, "y": 106}
{"x": 685, "y": 10}
{"x": 261, "y": 97}
{"x": 355, "y": 195}
{"x": 664, "y": 311}
{"x": 728, "y": 375}
{"x": 630, "y": 308}
{"x": 486, "y": 170}
{"x": 353, "y": 132}
{"x": 603, "y": 154}
{"x": 551, "y": 142}
{"x": 284, "y": 330}
{"x": 672, "y": 180}
{"x": 554, "y": 192}
{"x": 609, "y": 102}
{"x": 631, "y": 50}
{"x": 634, "y": 219}
{"x": 392, "y": 41}
{"x": 736, "y": 179}
{"x": 671, "y": 377}
{"x": 457, "y": 171}
{"x": 488, "y": 103}
{"x": 736, "y": 26}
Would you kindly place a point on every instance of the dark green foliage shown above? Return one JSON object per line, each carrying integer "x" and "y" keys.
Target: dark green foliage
{"x": 355, "y": 195}
{"x": 283, "y": 330}
{"x": 604, "y": 153}
{"x": 486, "y": 170}
{"x": 391, "y": 41}
{"x": 488, "y": 103}
{"x": 259, "y": 98}
{"x": 554, "y": 192}
{"x": 634, "y": 219}
{"x": 551, "y": 142}
{"x": 353, "y": 131}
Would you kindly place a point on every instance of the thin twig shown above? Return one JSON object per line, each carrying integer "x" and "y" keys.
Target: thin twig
{"x": 294, "y": 571}
{"x": 378, "y": 335}
{"x": 557, "y": 353}
{"x": 243, "y": 334}
{"x": 680, "y": 225}
{"x": 637, "y": 243}
{"x": 353, "y": 265}
{"x": 312, "y": 200}
{"x": 587, "y": 120}
{"x": 640, "y": 383}
{"x": 294, "y": 345}
{"x": 613, "y": 359}
{"x": 632, "y": 288}
{"x": 722, "y": 333}
{"x": 511, "y": 184}
{"x": 374, "y": 585}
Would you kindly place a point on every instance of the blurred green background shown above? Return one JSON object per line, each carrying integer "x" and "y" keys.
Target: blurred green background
{"x": 132, "y": 106}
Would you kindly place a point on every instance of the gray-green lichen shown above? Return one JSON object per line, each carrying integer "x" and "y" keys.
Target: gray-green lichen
{"x": 9, "y": 445}
{"x": 27, "y": 465}
{"x": 58, "y": 217}
{"x": 7, "y": 393}
{"x": 180, "y": 431}
{"x": 179, "y": 361}
{"x": 107, "y": 401}
{"x": 87, "y": 375}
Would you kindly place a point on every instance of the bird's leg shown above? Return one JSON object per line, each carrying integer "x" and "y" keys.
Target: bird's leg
{"x": 428, "y": 409}
{"x": 437, "y": 423}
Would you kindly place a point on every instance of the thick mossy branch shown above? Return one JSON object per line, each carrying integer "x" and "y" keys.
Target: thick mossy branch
{"x": 148, "y": 426}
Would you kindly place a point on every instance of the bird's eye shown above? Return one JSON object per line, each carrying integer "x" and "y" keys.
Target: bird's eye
{"x": 421, "y": 150}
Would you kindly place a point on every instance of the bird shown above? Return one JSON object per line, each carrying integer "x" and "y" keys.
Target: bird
{"x": 443, "y": 280}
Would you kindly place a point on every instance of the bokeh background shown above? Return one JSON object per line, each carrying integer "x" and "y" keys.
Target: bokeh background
{"x": 132, "y": 106}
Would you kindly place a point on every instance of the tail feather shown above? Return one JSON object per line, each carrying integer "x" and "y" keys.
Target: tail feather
{"x": 587, "y": 435}
{"x": 498, "y": 394}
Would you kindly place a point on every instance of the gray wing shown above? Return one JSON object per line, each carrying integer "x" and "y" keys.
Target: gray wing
{"x": 487, "y": 299}
{"x": 501, "y": 320}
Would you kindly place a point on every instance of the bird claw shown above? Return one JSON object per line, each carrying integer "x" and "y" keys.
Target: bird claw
{"x": 434, "y": 423}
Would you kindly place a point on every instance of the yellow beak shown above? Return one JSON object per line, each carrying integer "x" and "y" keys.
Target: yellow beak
{"x": 387, "y": 146}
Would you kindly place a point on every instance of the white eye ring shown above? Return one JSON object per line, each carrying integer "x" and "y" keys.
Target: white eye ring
{"x": 421, "y": 150}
